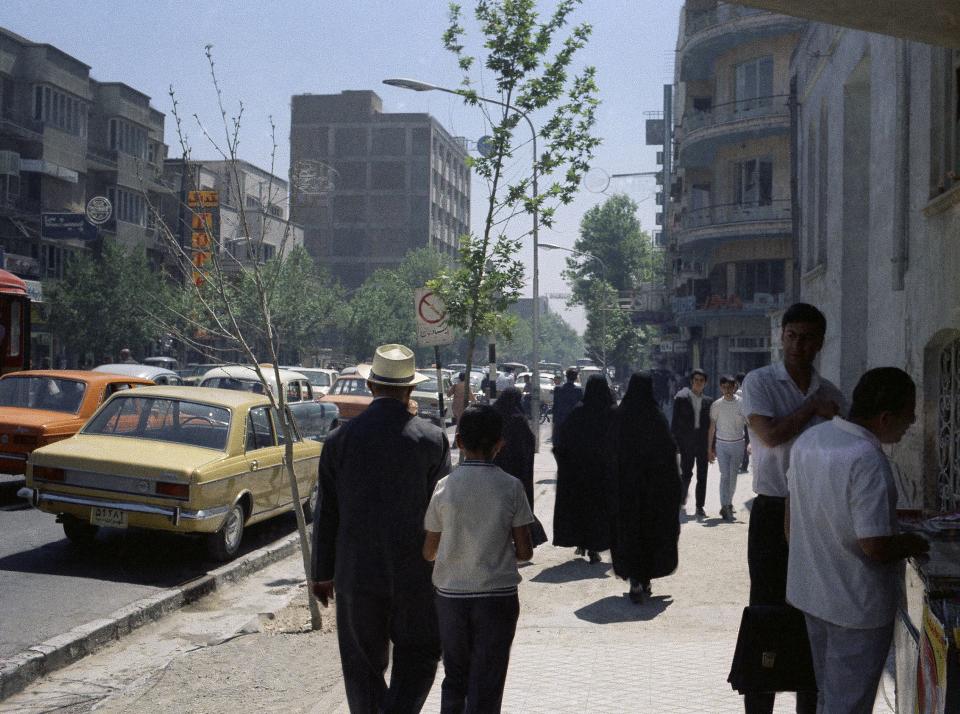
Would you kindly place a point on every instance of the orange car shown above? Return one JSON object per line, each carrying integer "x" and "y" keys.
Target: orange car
{"x": 38, "y": 407}
{"x": 352, "y": 396}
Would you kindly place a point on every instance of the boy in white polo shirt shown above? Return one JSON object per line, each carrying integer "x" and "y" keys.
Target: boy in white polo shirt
{"x": 726, "y": 442}
{"x": 477, "y": 527}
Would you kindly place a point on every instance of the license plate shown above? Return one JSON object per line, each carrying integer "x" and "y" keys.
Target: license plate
{"x": 110, "y": 517}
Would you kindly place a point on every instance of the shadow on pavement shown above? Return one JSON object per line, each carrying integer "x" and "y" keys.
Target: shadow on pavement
{"x": 546, "y": 481}
{"x": 615, "y": 608}
{"x": 138, "y": 557}
{"x": 571, "y": 571}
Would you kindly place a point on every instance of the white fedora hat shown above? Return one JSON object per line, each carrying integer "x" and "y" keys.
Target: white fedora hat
{"x": 393, "y": 366}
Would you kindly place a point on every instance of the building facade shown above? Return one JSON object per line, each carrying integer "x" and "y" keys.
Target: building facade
{"x": 247, "y": 207}
{"x": 64, "y": 139}
{"x": 729, "y": 215}
{"x": 388, "y": 183}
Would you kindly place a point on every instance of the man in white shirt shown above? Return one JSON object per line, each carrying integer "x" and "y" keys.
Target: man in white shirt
{"x": 780, "y": 401}
{"x": 844, "y": 540}
{"x": 506, "y": 380}
{"x": 725, "y": 441}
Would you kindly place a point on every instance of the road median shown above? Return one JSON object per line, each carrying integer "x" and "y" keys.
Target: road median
{"x": 19, "y": 670}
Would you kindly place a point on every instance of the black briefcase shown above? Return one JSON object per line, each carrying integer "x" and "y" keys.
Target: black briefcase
{"x": 773, "y": 651}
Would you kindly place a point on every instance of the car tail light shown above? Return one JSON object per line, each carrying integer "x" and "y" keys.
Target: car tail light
{"x": 176, "y": 490}
{"x": 48, "y": 474}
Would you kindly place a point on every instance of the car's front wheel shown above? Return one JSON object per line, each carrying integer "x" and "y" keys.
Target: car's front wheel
{"x": 225, "y": 543}
{"x": 79, "y": 532}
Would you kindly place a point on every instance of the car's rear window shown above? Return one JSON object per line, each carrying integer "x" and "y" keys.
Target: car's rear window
{"x": 318, "y": 379}
{"x": 53, "y": 393}
{"x": 163, "y": 419}
{"x": 240, "y": 385}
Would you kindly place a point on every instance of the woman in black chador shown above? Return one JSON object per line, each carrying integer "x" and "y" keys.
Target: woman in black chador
{"x": 516, "y": 456}
{"x": 645, "y": 489}
{"x": 580, "y": 515}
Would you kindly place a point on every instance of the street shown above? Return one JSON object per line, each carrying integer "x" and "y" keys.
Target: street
{"x": 581, "y": 646}
{"x": 49, "y": 586}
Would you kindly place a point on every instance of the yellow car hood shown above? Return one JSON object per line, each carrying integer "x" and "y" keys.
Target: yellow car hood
{"x": 124, "y": 455}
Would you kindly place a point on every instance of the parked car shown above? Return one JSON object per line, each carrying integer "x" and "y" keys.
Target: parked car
{"x": 160, "y": 361}
{"x": 157, "y": 375}
{"x": 320, "y": 379}
{"x": 352, "y": 396}
{"x": 39, "y": 407}
{"x": 425, "y": 395}
{"x": 191, "y": 461}
{"x": 546, "y": 385}
{"x": 194, "y": 372}
{"x": 315, "y": 419}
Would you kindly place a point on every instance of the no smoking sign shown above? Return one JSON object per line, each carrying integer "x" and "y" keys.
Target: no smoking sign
{"x": 432, "y": 327}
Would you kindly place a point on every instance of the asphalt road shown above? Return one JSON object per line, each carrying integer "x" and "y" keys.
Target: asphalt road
{"x": 49, "y": 586}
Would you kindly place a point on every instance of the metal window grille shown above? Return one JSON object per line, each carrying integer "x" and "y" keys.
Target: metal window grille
{"x": 948, "y": 428}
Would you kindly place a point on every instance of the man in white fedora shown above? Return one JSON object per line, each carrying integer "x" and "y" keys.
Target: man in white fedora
{"x": 377, "y": 473}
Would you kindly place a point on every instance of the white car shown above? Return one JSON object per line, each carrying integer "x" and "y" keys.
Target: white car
{"x": 320, "y": 379}
{"x": 425, "y": 395}
{"x": 157, "y": 375}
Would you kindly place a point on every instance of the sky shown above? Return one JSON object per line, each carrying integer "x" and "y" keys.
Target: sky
{"x": 267, "y": 51}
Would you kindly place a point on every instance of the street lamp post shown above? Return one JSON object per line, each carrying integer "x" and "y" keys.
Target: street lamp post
{"x": 603, "y": 311}
{"x": 418, "y": 86}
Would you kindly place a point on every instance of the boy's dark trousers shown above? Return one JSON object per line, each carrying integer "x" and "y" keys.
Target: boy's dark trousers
{"x": 476, "y": 633}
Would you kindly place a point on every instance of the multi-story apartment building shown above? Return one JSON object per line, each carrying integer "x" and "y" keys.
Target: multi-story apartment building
{"x": 249, "y": 203}
{"x": 729, "y": 209}
{"x": 395, "y": 182}
{"x": 64, "y": 138}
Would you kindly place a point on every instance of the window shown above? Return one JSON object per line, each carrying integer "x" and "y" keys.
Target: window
{"x": 754, "y": 83}
{"x": 765, "y": 277}
{"x": 259, "y": 429}
{"x": 59, "y": 110}
{"x": 128, "y": 206}
{"x": 753, "y": 182}
{"x": 127, "y": 138}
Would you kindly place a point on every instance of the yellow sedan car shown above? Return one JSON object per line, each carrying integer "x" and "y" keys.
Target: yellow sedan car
{"x": 206, "y": 461}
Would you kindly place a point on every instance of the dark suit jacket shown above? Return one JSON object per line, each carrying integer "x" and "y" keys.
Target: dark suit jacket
{"x": 565, "y": 398}
{"x": 377, "y": 474}
{"x": 681, "y": 425}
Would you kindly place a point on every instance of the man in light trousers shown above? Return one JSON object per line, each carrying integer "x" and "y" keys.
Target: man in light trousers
{"x": 726, "y": 442}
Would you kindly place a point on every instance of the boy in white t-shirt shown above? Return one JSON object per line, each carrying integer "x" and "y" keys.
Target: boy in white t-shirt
{"x": 726, "y": 442}
{"x": 477, "y": 528}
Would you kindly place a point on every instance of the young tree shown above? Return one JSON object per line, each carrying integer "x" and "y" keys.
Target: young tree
{"x": 530, "y": 66}
{"x": 615, "y": 255}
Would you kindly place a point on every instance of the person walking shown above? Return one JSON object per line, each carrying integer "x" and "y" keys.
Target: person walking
{"x": 377, "y": 473}
{"x": 644, "y": 490}
{"x": 565, "y": 398}
{"x": 690, "y": 427}
{"x": 477, "y": 528}
{"x": 519, "y": 448}
{"x": 126, "y": 357}
{"x": 844, "y": 539}
{"x": 745, "y": 462}
{"x": 780, "y": 402}
{"x": 580, "y": 512}
{"x": 461, "y": 395}
{"x": 726, "y": 442}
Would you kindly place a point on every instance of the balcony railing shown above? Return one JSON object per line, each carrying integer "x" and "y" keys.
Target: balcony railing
{"x": 107, "y": 157}
{"x": 722, "y": 13}
{"x": 761, "y": 302}
{"x": 741, "y": 110}
{"x": 728, "y": 213}
{"x": 25, "y": 128}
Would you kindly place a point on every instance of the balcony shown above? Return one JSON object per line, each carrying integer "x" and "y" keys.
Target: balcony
{"x": 710, "y": 33}
{"x": 688, "y": 312}
{"x": 732, "y": 221}
{"x": 650, "y": 305}
{"x": 24, "y": 129}
{"x": 703, "y": 132}
{"x": 101, "y": 159}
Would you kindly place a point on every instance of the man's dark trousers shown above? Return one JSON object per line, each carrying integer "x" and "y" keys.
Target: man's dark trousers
{"x": 767, "y": 559}
{"x": 366, "y": 623}
{"x": 691, "y": 453}
{"x": 477, "y": 633}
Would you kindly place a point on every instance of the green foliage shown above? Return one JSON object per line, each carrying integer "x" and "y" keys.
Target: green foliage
{"x": 558, "y": 342}
{"x": 530, "y": 67}
{"x": 382, "y": 309}
{"x": 627, "y": 258}
{"x": 102, "y": 306}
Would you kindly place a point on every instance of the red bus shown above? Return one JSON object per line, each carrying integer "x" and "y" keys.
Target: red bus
{"x": 14, "y": 323}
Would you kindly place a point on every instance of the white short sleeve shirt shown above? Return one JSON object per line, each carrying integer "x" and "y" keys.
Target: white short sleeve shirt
{"x": 771, "y": 392}
{"x": 841, "y": 490}
{"x": 728, "y": 419}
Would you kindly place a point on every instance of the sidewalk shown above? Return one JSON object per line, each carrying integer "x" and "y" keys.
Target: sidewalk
{"x": 581, "y": 645}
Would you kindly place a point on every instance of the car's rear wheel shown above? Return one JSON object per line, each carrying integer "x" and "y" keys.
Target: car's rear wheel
{"x": 225, "y": 543}
{"x": 79, "y": 532}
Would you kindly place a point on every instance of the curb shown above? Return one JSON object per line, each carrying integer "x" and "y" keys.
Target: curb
{"x": 18, "y": 671}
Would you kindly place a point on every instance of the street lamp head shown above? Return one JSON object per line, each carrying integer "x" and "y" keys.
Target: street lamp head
{"x": 552, "y": 246}
{"x": 413, "y": 84}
